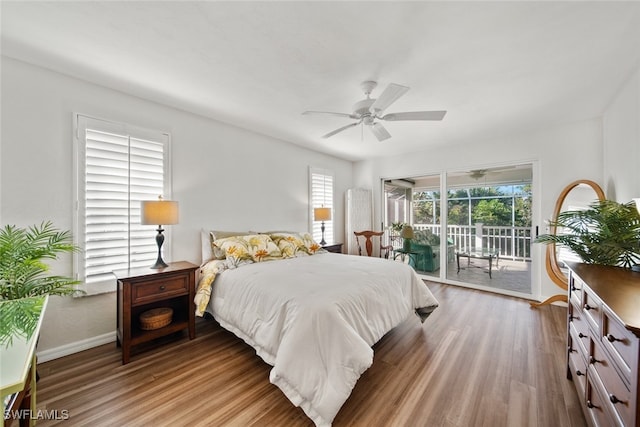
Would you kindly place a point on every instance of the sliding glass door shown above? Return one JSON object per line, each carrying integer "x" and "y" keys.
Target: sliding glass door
{"x": 415, "y": 202}
{"x": 489, "y": 225}
{"x": 475, "y": 229}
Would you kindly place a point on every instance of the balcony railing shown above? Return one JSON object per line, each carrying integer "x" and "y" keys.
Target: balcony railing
{"x": 511, "y": 242}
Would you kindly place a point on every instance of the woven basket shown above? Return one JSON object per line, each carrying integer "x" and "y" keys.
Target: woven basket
{"x": 156, "y": 318}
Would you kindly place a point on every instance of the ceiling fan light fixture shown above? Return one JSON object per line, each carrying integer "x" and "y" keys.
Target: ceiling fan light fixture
{"x": 366, "y": 111}
{"x": 478, "y": 173}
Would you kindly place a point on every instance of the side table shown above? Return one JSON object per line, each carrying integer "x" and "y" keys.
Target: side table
{"x": 335, "y": 248}
{"x": 143, "y": 289}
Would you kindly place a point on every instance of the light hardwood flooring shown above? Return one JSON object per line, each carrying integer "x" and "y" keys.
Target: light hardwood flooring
{"x": 480, "y": 359}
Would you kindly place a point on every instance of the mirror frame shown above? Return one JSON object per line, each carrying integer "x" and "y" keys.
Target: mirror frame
{"x": 551, "y": 262}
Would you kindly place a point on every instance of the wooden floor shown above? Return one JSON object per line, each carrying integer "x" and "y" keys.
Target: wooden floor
{"x": 480, "y": 359}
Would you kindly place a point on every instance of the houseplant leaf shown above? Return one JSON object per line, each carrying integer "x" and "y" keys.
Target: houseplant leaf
{"x": 607, "y": 233}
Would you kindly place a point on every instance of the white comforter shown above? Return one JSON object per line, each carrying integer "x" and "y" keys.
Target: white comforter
{"x": 314, "y": 319}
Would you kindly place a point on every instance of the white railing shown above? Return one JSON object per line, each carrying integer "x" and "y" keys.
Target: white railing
{"x": 511, "y": 242}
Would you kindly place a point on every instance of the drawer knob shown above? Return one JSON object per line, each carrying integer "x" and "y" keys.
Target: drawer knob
{"x": 579, "y": 373}
{"x": 593, "y": 360}
{"x": 588, "y": 307}
{"x": 163, "y": 287}
{"x": 611, "y": 338}
{"x": 581, "y": 335}
{"x": 614, "y": 399}
{"x": 590, "y": 405}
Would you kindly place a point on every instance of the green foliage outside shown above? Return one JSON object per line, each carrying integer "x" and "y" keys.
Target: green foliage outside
{"x": 490, "y": 205}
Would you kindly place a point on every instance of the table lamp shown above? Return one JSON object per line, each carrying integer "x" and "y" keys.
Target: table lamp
{"x": 160, "y": 212}
{"x": 407, "y": 235}
{"x": 322, "y": 214}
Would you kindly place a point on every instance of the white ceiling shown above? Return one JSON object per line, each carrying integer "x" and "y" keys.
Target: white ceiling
{"x": 498, "y": 68}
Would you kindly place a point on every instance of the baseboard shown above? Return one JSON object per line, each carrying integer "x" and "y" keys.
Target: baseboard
{"x": 75, "y": 347}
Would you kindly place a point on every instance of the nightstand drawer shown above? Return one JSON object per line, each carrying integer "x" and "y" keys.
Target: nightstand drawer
{"x": 145, "y": 292}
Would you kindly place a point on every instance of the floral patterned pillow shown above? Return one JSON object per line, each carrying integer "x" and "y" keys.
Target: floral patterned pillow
{"x": 296, "y": 244}
{"x": 290, "y": 244}
{"x": 312, "y": 246}
{"x": 246, "y": 249}
{"x": 214, "y": 235}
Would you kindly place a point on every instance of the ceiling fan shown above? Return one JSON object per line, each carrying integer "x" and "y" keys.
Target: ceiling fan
{"x": 369, "y": 111}
{"x": 480, "y": 173}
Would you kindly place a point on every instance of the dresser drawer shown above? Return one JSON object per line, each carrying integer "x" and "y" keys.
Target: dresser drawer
{"x": 577, "y": 366}
{"x": 575, "y": 292}
{"x": 597, "y": 406}
{"x": 617, "y": 395}
{"x": 160, "y": 289}
{"x": 622, "y": 345}
{"x": 592, "y": 309}
{"x": 579, "y": 328}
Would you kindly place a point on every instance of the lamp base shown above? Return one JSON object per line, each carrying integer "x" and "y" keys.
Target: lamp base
{"x": 159, "y": 264}
{"x": 406, "y": 245}
{"x": 322, "y": 242}
{"x": 159, "y": 241}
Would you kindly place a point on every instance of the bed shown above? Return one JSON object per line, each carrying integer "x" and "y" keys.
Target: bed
{"x": 310, "y": 314}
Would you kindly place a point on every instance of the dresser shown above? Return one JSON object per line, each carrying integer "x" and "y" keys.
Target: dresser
{"x": 603, "y": 342}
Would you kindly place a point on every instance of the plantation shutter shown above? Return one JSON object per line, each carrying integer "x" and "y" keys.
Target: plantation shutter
{"x": 321, "y": 195}
{"x": 118, "y": 167}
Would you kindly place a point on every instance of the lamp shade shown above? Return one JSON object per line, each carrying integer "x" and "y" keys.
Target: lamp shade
{"x": 322, "y": 214}
{"x": 407, "y": 232}
{"x": 159, "y": 212}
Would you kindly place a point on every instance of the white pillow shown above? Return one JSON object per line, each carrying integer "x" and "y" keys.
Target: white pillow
{"x": 205, "y": 245}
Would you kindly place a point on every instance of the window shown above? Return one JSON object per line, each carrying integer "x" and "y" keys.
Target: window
{"x": 321, "y": 195}
{"x": 117, "y": 166}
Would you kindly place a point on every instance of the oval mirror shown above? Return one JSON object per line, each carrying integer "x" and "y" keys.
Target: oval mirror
{"x": 576, "y": 196}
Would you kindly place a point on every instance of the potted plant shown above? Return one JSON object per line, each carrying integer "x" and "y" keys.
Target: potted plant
{"x": 607, "y": 233}
{"x": 23, "y": 275}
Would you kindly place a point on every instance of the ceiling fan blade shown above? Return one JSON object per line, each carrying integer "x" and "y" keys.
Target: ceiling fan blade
{"x": 350, "y": 125}
{"x": 330, "y": 113}
{"x": 380, "y": 132}
{"x": 390, "y": 94}
{"x": 415, "y": 115}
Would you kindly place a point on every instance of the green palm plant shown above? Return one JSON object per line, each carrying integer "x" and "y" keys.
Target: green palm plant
{"x": 19, "y": 318}
{"x": 607, "y": 233}
{"x": 23, "y": 272}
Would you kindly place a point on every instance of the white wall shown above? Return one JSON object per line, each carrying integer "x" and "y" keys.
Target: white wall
{"x": 224, "y": 178}
{"x": 563, "y": 154}
{"x": 622, "y": 142}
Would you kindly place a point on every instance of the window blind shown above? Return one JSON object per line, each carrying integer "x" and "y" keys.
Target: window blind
{"x": 117, "y": 169}
{"x": 321, "y": 195}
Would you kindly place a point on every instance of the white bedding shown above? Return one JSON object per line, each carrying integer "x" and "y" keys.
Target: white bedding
{"x": 315, "y": 318}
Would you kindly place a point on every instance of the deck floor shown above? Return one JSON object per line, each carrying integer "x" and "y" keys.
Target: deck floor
{"x": 508, "y": 275}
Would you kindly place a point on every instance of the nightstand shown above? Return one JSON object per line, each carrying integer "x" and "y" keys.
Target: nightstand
{"x": 143, "y": 289}
{"x": 335, "y": 248}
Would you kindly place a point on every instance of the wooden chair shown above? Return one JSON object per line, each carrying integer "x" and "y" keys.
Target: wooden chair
{"x": 368, "y": 235}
